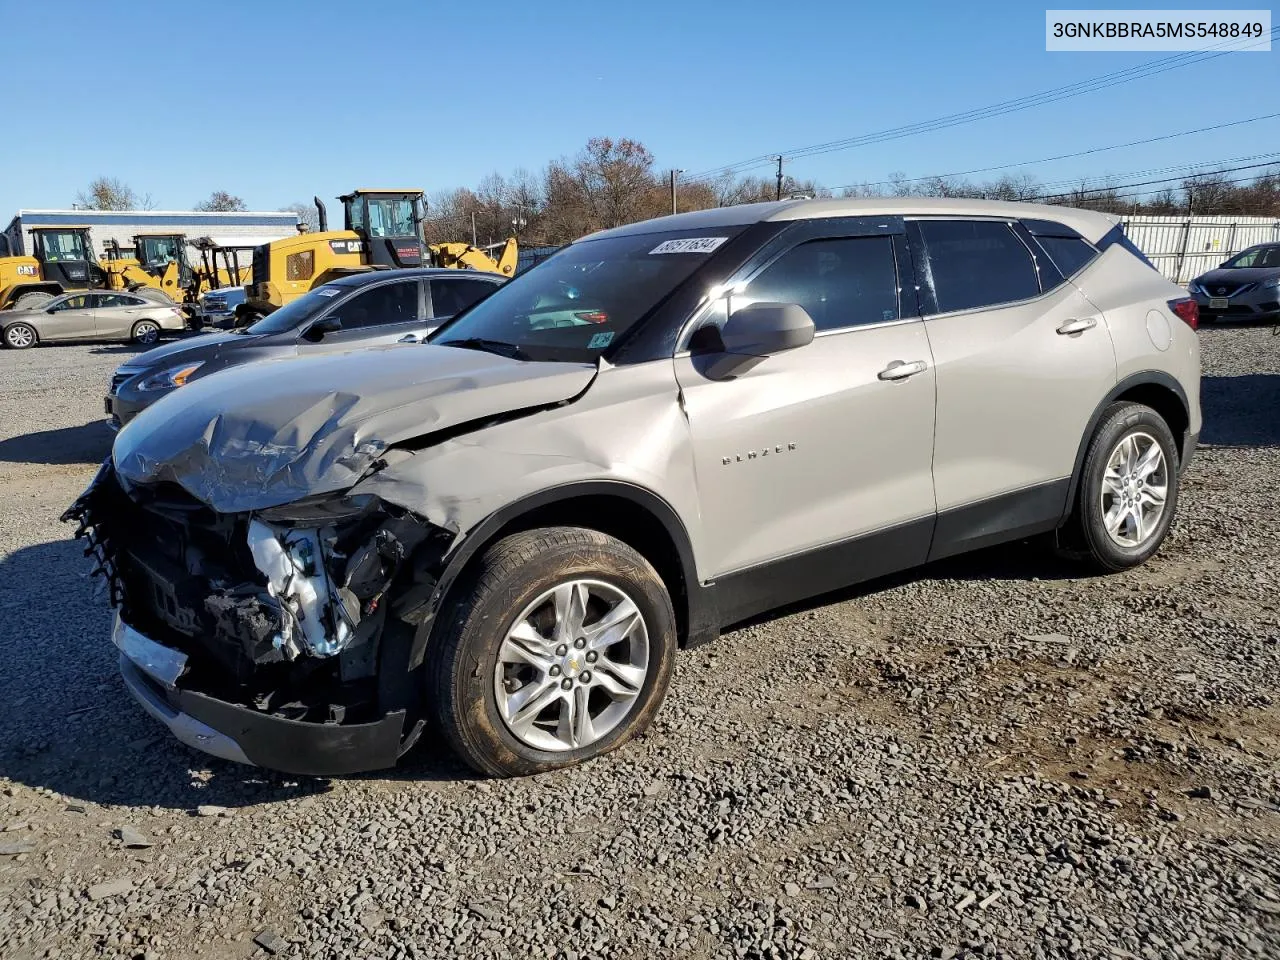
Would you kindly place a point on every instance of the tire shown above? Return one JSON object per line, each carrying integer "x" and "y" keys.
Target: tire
{"x": 145, "y": 332}
{"x": 470, "y": 657}
{"x": 20, "y": 336}
{"x": 155, "y": 294}
{"x": 1092, "y": 533}
{"x": 32, "y": 301}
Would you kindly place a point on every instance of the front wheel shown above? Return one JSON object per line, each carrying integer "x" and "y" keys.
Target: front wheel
{"x": 559, "y": 648}
{"x": 145, "y": 332}
{"x": 19, "y": 336}
{"x": 1128, "y": 488}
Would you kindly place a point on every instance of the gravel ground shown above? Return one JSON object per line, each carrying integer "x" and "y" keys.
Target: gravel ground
{"x": 990, "y": 757}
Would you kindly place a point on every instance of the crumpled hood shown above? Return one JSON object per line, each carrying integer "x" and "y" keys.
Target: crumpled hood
{"x": 1236, "y": 277}
{"x": 176, "y": 352}
{"x": 268, "y": 433}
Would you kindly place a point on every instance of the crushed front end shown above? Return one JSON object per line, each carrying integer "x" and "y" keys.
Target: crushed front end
{"x": 268, "y": 637}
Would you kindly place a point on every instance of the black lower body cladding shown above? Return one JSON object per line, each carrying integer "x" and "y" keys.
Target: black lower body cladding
{"x": 307, "y": 672}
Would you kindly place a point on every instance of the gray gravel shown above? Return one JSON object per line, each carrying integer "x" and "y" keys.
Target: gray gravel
{"x": 991, "y": 757}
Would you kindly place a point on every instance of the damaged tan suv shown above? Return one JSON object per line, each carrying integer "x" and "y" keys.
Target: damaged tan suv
{"x": 503, "y": 536}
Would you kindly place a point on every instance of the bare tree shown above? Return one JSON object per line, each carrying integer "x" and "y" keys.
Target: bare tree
{"x": 222, "y": 202}
{"x": 111, "y": 193}
{"x": 307, "y": 213}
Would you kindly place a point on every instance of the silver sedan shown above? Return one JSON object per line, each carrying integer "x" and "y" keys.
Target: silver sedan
{"x": 91, "y": 316}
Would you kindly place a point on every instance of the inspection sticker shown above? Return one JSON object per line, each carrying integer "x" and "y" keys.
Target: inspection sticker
{"x": 600, "y": 340}
{"x": 330, "y": 292}
{"x": 689, "y": 245}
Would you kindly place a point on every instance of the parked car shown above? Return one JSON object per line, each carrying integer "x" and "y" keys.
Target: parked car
{"x": 91, "y": 316}
{"x": 504, "y": 536}
{"x": 217, "y": 308}
{"x": 1246, "y": 287}
{"x": 357, "y": 311}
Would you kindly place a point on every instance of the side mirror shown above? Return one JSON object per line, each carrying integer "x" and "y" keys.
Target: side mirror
{"x": 761, "y": 329}
{"x": 325, "y": 325}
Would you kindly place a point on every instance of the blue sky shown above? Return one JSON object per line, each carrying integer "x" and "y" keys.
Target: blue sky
{"x": 277, "y": 100}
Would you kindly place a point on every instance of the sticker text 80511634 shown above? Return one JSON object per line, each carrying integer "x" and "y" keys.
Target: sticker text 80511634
{"x": 689, "y": 245}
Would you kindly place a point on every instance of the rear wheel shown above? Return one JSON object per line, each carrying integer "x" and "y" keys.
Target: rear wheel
{"x": 19, "y": 336}
{"x": 32, "y": 301}
{"x": 145, "y": 332}
{"x": 559, "y": 648}
{"x": 1128, "y": 490}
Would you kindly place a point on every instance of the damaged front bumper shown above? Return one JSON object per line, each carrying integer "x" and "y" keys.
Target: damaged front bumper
{"x": 238, "y": 733}
{"x": 266, "y": 640}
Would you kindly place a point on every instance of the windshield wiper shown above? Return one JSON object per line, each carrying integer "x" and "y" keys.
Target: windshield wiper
{"x": 500, "y": 347}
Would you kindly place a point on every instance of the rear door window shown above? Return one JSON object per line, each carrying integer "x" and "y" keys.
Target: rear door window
{"x": 450, "y": 296}
{"x": 1069, "y": 254}
{"x": 977, "y": 263}
{"x": 382, "y": 305}
{"x": 841, "y": 282}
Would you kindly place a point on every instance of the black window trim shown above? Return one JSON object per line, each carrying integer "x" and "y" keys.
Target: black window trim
{"x": 928, "y": 295}
{"x": 797, "y": 234}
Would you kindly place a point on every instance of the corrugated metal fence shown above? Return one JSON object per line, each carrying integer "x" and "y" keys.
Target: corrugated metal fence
{"x": 1185, "y": 247}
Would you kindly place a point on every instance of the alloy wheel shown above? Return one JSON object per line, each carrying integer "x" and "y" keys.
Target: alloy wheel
{"x": 146, "y": 332}
{"x": 572, "y": 666}
{"x": 1135, "y": 484}
{"x": 19, "y": 337}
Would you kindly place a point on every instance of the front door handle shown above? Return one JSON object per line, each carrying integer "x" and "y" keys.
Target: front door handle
{"x": 898, "y": 370}
{"x": 1078, "y": 326}
{"x": 409, "y": 338}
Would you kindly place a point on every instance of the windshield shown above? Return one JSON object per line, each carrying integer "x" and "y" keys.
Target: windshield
{"x": 60, "y": 247}
{"x": 293, "y": 315}
{"x": 573, "y": 306}
{"x": 158, "y": 251}
{"x": 391, "y": 218}
{"x": 1255, "y": 257}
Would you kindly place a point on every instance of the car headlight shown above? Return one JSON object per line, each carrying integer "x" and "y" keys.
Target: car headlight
{"x": 1271, "y": 284}
{"x": 167, "y": 379}
{"x": 1194, "y": 287}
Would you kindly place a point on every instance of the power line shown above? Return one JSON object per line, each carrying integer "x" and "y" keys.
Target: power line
{"x": 992, "y": 110}
{"x": 1061, "y": 156}
{"x": 1113, "y": 197}
{"x": 1081, "y": 181}
{"x": 1126, "y": 186}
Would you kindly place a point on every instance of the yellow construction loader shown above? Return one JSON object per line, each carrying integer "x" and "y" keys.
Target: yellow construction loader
{"x": 61, "y": 260}
{"x": 382, "y": 231}
{"x": 160, "y": 262}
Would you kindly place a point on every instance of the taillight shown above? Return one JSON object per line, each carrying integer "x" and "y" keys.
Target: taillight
{"x": 593, "y": 316}
{"x": 1188, "y": 311}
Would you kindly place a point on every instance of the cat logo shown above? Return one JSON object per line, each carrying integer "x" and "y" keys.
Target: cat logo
{"x": 758, "y": 454}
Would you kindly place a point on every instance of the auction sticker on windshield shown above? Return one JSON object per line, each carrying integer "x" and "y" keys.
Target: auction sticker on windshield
{"x": 689, "y": 245}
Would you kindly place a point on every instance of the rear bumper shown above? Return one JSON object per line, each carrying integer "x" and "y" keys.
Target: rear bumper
{"x": 152, "y": 673}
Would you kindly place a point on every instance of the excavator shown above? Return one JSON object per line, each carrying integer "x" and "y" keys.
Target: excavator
{"x": 382, "y": 230}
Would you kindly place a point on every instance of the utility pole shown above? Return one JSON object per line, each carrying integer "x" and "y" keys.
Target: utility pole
{"x": 475, "y": 242}
{"x": 674, "y": 174}
{"x": 778, "y": 194}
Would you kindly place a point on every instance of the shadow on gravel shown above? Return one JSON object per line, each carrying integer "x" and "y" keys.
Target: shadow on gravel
{"x": 88, "y": 443}
{"x": 1241, "y": 411}
{"x": 69, "y": 725}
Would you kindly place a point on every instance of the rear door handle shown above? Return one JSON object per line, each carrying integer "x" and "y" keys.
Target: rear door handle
{"x": 1078, "y": 326}
{"x": 898, "y": 370}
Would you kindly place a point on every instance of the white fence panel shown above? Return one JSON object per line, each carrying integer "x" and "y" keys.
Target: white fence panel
{"x": 1185, "y": 247}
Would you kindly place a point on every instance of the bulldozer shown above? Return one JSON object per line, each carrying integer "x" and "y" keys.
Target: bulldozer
{"x": 382, "y": 230}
